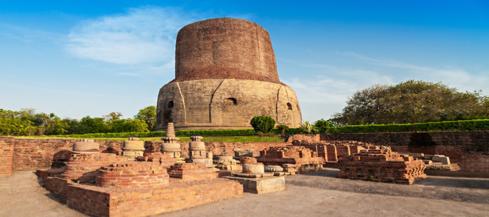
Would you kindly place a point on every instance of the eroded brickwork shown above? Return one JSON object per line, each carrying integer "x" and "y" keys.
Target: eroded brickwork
{"x": 105, "y": 184}
{"x": 6, "y": 158}
{"x": 144, "y": 175}
{"x": 291, "y": 158}
{"x": 383, "y": 165}
{"x": 225, "y": 75}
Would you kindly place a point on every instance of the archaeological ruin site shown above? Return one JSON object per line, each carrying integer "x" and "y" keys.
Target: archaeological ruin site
{"x": 225, "y": 75}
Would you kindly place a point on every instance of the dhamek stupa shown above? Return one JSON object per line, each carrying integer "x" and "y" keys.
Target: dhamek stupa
{"x": 225, "y": 74}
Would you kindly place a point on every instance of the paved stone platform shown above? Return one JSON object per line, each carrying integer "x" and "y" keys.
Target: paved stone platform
{"x": 20, "y": 195}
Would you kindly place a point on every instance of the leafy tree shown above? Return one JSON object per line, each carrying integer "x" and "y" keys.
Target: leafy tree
{"x": 28, "y": 122}
{"x": 92, "y": 125}
{"x": 129, "y": 125}
{"x": 411, "y": 101}
{"x": 15, "y": 123}
{"x": 113, "y": 116}
{"x": 323, "y": 126}
{"x": 148, "y": 115}
{"x": 262, "y": 124}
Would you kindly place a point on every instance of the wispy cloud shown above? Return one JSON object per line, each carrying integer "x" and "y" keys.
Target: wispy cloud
{"x": 451, "y": 76}
{"x": 327, "y": 92}
{"x": 141, "y": 36}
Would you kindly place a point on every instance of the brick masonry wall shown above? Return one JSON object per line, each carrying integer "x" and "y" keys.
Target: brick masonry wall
{"x": 6, "y": 158}
{"x": 469, "y": 139}
{"x": 30, "y": 154}
{"x": 97, "y": 201}
{"x": 468, "y": 149}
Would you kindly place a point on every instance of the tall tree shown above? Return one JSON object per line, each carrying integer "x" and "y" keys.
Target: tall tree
{"x": 148, "y": 115}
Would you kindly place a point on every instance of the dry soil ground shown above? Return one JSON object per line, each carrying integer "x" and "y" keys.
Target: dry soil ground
{"x": 306, "y": 195}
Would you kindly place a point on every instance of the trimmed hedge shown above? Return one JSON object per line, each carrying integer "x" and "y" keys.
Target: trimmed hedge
{"x": 181, "y": 133}
{"x": 116, "y": 135}
{"x": 462, "y": 125}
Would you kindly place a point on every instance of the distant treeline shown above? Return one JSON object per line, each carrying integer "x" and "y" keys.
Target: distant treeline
{"x": 412, "y": 102}
{"x": 27, "y": 122}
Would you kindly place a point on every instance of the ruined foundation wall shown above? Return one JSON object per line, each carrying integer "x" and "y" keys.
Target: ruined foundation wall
{"x": 29, "y": 154}
{"x": 96, "y": 201}
{"x": 470, "y": 150}
{"x": 6, "y": 158}
{"x": 470, "y": 139}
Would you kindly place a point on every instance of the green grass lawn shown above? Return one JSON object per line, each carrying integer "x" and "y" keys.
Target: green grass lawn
{"x": 182, "y": 139}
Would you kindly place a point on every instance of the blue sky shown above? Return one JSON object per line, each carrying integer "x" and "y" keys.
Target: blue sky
{"x": 77, "y": 58}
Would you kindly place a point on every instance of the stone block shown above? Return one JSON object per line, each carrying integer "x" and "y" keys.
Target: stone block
{"x": 261, "y": 185}
{"x": 86, "y": 145}
{"x": 441, "y": 158}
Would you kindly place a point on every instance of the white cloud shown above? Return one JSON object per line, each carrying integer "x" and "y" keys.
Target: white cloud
{"x": 141, "y": 36}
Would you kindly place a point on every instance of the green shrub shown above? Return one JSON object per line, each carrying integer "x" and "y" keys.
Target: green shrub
{"x": 262, "y": 124}
{"x": 282, "y": 129}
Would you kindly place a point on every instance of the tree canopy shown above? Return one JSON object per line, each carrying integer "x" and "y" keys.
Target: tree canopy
{"x": 148, "y": 115}
{"x": 26, "y": 122}
{"x": 412, "y": 101}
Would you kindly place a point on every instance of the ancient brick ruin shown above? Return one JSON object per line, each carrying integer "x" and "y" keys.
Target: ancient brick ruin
{"x": 225, "y": 74}
{"x": 292, "y": 159}
{"x": 382, "y": 165}
{"x": 106, "y": 184}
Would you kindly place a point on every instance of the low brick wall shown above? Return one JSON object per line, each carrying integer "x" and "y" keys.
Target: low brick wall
{"x": 31, "y": 154}
{"x": 97, "y": 201}
{"x": 478, "y": 140}
{"x": 19, "y": 154}
{"x": 6, "y": 158}
{"x": 468, "y": 149}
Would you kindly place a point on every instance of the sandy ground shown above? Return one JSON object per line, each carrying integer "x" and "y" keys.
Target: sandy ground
{"x": 20, "y": 195}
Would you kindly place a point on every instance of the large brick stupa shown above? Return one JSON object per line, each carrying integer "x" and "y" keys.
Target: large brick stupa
{"x": 225, "y": 74}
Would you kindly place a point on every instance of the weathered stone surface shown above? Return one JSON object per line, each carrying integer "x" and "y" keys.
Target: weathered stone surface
{"x": 273, "y": 168}
{"x": 254, "y": 168}
{"x": 86, "y": 145}
{"x": 225, "y": 75}
{"x": 261, "y": 185}
{"x": 133, "y": 148}
{"x": 170, "y": 144}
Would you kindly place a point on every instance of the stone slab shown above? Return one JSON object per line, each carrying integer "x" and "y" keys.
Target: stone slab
{"x": 261, "y": 185}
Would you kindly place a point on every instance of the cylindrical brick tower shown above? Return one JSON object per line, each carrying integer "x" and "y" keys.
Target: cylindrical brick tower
{"x": 224, "y": 49}
{"x": 225, "y": 74}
